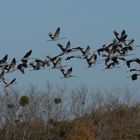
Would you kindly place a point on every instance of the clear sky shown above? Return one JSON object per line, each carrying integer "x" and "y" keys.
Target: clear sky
{"x": 25, "y": 24}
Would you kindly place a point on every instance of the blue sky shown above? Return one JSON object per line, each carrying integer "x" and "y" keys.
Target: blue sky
{"x": 25, "y": 25}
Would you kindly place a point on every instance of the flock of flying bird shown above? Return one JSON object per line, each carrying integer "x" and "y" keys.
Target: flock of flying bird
{"x": 112, "y": 53}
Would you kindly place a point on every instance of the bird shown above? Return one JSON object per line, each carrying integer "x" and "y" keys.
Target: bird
{"x": 42, "y": 63}
{"x": 124, "y": 51}
{"x": 8, "y": 83}
{"x": 84, "y": 51}
{"x": 104, "y": 48}
{"x": 91, "y": 60}
{"x": 67, "y": 73}
{"x": 110, "y": 48}
{"x": 22, "y": 66}
{"x": 137, "y": 60}
{"x": 3, "y": 62}
{"x": 57, "y": 64}
{"x": 12, "y": 66}
{"x": 111, "y": 65}
{"x": 53, "y": 59}
{"x": 35, "y": 66}
{"x": 55, "y": 36}
{"x": 130, "y": 44}
{"x": 4, "y": 58}
{"x": 26, "y": 56}
{"x": 115, "y": 48}
{"x": 121, "y": 37}
{"x": 134, "y": 76}
{"x": 39, "y": 63}
{"x": 114, "y": 59}
{"x": 66, "y": 49}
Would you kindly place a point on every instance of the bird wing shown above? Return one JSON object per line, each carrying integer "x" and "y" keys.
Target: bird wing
{"x": 39, "y": 61}
{"x": 100, "y": 50}
{"x": 116, "y": 34}
{"x": 131, "y": 42}
{"x": 13, "y": 61}
{"x": 58, "y": 62}
{"x": 69, "y": 70}
{"x": 137, "y": 60}
{"x": 123, "y": 33}
{"x": 11, "y": 82}
{"x": 68, "y": 45}
{"x": 5, "y": 82}
{"x": 61, "y": 47}
{"x": 21, "y": 68}
{"x": 2, "y": 74}
{"x": 27, "y": 54}
{"x": 87, "y": 49}
{"x": 69, "y": 57}
{"x": 4, "y": 58}
{"x": 50, "y": 35}
{"x": 114, "y": 59}
{"x": 57, "y": 32}
{"x": 128, "y": 63}
{"x": 24, "y": 64}
{"x": 63, "y": 71}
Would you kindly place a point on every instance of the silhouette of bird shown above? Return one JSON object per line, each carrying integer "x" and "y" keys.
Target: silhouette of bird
{"x": 130, "y": 44}
{"x": 66, "y": 49}
{"x": 111, "y": 65}
{"x": 114, "y": 59}
{"x": 124, "y": 51}
{"x": 57, "y": 64}
{"x": 84, "y": 51}
{"x": 104, "y": 48}
{"x": 22, "y": 66}
{"x": 26, "y": 56}
{"x": 53, "y": 59}
{"x": 134, "y": 76}
{"x": 67, "y": 74}
{"x": 128, "y": 63}
{"x": 35, "y": 66}
{"x": 121, "y": 37}
{"x": 115, "y": 48}
{"x": 56, "y": 35}
{"x": 3, "y": 62}
{"x": 12, "y": 66}
{"x": 91, "y": 60}
{"x": 42, "y": 63}
{"x": 8, "y": 83}
{"x": 137, "y": 60}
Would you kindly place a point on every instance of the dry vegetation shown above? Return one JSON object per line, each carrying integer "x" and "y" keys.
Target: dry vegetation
{"x": 55, "y": 114}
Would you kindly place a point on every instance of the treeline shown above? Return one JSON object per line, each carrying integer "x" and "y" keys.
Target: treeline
{"x": 78, "y": 114}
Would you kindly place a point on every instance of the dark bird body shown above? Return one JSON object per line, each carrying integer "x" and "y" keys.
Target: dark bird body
{"x": 22, "y": 66}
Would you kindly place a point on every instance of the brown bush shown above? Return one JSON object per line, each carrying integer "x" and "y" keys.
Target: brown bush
{"x": 81, "y": 116}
